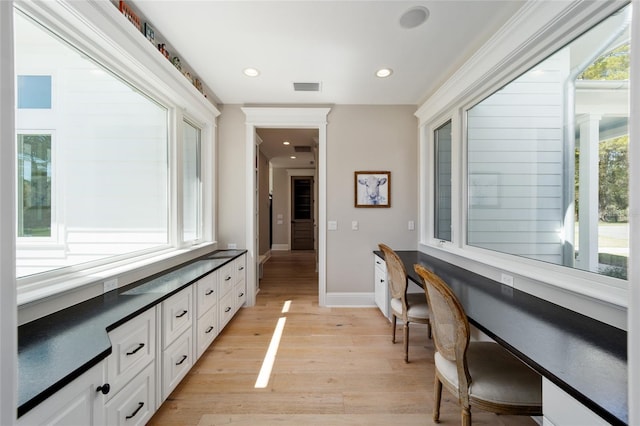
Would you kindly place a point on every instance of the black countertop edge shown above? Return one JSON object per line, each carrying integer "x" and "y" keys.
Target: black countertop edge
{"x": 617, "y": 415}
{"x": 110, "y": 310}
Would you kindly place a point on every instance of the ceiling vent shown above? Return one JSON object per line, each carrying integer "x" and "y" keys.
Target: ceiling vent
{"x": 306, "y": 87}
{"x": 302, "y": 148}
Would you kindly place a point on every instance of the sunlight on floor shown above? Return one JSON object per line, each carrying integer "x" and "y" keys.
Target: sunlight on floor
{"x": 270, "y": 357}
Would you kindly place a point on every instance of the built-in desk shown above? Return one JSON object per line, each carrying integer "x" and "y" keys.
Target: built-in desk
{"x": 584, "y": 357}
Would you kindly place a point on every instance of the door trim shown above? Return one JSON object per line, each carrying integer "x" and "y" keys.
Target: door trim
{"x": 303, "y": 118}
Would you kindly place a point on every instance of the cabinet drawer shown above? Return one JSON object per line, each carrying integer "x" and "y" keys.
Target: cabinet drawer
{"x": 177, "y": 360}
{"x": 239, "y": 266}
{"x": 380, "y": 264}
{"x": 177, "y": 315}
{"x": 133, "y": 348}
{"x": 206, "y": 293}
{"x": 227, "y": 278}
{"x": 206, "y": 330}
{"x": 226, "y": 308}
{"x": 241, "y": 294}
{"x": 136, "y": 403}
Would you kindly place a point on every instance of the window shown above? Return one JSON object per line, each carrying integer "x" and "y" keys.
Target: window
{"x": 191, "y": 194}
{"x": 34, "y": 91}
{"x": 442, "y": 179}
{"x": 110, "y": 193}
{"x": 547, "y": 169}
{"x": 34, "y": 185}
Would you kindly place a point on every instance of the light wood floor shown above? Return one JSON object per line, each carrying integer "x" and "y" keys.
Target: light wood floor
{"x": 334, "y": 366}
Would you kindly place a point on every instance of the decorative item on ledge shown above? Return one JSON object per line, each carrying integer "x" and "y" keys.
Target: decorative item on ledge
{"x": 130, "y": 15}
{"x": 149, "y": 33}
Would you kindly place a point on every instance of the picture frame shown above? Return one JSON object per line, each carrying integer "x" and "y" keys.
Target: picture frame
{"x": 372, "y": 189}
{"x": 150, "y": 33}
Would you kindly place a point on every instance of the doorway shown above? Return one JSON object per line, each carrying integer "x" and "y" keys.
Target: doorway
{"x": 302, "y": 220}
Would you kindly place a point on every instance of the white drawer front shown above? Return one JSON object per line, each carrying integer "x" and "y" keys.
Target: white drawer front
{"x": 207, "y": 330}
{"x": 177, "y": 315}
{"x": 176, "y": 363}
{"x": 206, "y": 292}
{"x": 226, "y": 308}
{"x": 241, "y": 294}
{"x": 136, "y": 403}
{"x": 133, "y": 348}
{"x": 240, "y": 266}
{"x": 227, "y": 278}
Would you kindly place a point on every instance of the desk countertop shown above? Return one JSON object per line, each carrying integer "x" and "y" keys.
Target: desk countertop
{"x": 54, "y": 350}
{"x": 584, "y": 357}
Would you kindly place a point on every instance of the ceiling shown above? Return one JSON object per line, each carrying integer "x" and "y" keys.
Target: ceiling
{"x": 339, "y": 44}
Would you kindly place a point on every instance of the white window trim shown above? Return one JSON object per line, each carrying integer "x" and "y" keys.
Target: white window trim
{"x": 99, "y": 29}
{"x": 518, "y": 46}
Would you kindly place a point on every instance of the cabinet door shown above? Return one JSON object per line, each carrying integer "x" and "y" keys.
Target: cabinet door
{"x": 76, "y": 404}
{"x": 136, "y": 403}
{"x": 227, "y": 278}
{"x": 381, "y": 286}
{"x": 133, "y": 348}
{"x": 226, "y": 308}
{"x": 177, "y": 315}
{"x": 176, "y": 363}
{"x": 207, "y": 330}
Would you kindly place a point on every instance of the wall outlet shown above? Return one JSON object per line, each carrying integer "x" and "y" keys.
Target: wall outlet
{"x": 332, "y": 225}
{"x": 110, "y": 285}
{"x": 507, "y": 279}
{"x": 232, "y": 246}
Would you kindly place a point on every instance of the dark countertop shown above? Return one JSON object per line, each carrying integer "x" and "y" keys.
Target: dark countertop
{"x": 584, "y": 357}
{"x": 54, "y": 350}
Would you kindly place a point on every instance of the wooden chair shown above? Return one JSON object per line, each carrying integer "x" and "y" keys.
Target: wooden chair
{"x": 409, "y": 307}
{"x": 480, "y": 374}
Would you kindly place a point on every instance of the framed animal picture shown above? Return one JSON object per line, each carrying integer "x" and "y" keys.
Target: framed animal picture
{"x": 373, "y": 189}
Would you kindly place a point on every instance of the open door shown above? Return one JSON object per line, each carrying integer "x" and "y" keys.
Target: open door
{"x": 302, "y": 227}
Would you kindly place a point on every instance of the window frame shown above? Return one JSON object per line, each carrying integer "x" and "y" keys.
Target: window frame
{"x": 98, "y": 30}
{"x": 532, "y": 273}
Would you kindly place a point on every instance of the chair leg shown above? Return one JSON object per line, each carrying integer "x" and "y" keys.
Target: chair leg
{"x": 437, "y": 393}
{"x": 405, "y": 331}
{"x": 393, "y": 329}
{"x": 429, "y": 329}
{"x": 466, "y": 416}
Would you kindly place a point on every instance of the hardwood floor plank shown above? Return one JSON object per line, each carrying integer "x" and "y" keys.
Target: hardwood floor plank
{"x": 334, "y": 366}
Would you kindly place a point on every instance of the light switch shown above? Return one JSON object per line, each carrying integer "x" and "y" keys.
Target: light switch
{"x": 411, "y": 226}
{"x": 354, "y": 225}
{"x": 332, "y": 225}
{"x": 280, "y": 222}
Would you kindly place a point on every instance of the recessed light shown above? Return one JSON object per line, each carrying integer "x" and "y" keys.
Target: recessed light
{"x": 286, "y": 143}
{"x": 293, "y": 157}
{"x": 251, "y": 72}
{"x": 414, "y": 17}
{"x": 384, "y": 72}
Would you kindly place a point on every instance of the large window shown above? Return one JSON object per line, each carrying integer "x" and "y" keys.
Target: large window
{"x": 191, "y": 194}
{"x": 547, "y": 157}
{"x": 100, "y": 189}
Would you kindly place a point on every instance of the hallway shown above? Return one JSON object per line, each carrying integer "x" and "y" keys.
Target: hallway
{"x": 334, "y": 366}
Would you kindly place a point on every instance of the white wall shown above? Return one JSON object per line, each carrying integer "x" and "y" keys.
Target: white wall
{"x": 375, "y": 138}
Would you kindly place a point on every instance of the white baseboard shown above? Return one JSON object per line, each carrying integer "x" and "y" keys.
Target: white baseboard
{"x": 280, "y": 247}
{"x": 350, "y": 300}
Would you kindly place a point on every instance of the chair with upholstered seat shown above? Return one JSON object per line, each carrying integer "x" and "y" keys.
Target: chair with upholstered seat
{"x": 480, "y": 374}
{"x": 409, "y": 307}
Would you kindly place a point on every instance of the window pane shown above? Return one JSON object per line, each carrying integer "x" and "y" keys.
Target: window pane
{"x": 109, "y": 180}
{"x": 34, "y": 185}
{"x": 547, "y": 162}
{"x": 442, "y": 138}
{"x": 34, "y": 91}
{"x": 191, "y": 182}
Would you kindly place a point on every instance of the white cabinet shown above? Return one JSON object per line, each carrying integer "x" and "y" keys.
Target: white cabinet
{"x": 177, "y": 341}
{"x": 207, "y": 312}
{"x": 561, "y": 409}
{"x": 240, "y": 286}
{"x": 381, "y": 286}
{"x": 135, "y": 403}
{"x": 77, "y": 404}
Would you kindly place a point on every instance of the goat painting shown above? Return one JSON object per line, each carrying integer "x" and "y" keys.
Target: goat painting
{"x": 372, "y": 189}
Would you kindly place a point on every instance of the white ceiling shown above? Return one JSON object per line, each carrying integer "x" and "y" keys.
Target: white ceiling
{"x": 339, "y": 44}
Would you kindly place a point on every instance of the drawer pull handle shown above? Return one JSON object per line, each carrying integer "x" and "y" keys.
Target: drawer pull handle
{"x": 228, "y": 309}
{"x": 181, "y": 314}
{"x": 104, "y": 388}
{"x": 209, "y": 293}
{"x": 241, "y": 294}
{"x": 378, "y": 262}
{"x": 228, "y": 278}
{"x": 209, "y": 330}
{"x": 241, "y": 268}
{"x": 140, "y": 405}
{"x": 184, "y": 357}
{"x": 140, "y": 346}
{"x": 381, "y": 280}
